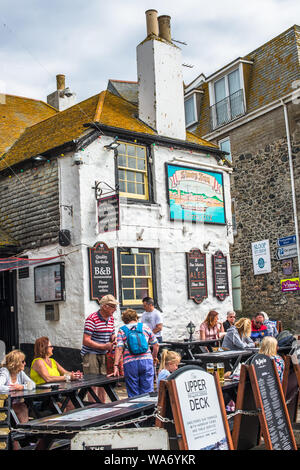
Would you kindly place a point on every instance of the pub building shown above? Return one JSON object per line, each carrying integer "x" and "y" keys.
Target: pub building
{"x": 118, "y": 197}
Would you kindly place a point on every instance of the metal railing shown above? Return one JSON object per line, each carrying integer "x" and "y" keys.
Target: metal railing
{"x": 227, "y": 110}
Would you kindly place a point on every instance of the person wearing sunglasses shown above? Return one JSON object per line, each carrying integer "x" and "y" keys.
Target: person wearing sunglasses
{"x": 45, "y": 369}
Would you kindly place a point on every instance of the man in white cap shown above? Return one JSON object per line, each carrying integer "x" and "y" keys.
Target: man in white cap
{"x": 98, "y": 338}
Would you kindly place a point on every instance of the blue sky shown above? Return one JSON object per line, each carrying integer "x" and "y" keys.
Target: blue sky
{"x": 92, "y": 41}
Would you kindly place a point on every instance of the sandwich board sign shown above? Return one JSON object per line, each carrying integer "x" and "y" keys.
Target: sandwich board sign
{"x": 260, "y": 387}
{"x": 193, "y": 398}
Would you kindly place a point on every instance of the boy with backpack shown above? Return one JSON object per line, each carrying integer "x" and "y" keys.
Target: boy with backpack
{"x": 134, "y": 340}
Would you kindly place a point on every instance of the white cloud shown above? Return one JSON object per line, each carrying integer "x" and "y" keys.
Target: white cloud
{"x": 93, "y": 41}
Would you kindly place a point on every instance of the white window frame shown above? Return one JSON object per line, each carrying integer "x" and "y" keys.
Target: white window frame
{"x": 224, "y": 73}
{"x": 187, "y": 97}
{"x": 224, "y": 140}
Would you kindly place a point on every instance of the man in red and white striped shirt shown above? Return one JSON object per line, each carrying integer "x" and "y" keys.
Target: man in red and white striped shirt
{"x": 98, "y": 338}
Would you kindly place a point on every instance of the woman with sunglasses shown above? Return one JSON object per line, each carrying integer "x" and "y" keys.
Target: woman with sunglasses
{"x": 45, "y": 369}
{"x": 13, "y": 378}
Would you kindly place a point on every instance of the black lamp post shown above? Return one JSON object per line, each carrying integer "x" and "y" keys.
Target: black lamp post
{"x": 190, "y": 329}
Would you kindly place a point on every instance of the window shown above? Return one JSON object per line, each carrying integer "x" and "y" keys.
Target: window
{"x": 132, "y": 171}
{"x": 136, "y": 276}
{"x": 190, "y": 110}
{"x": 224, "y": 145}
{"x": 228, "y": 98}
{"x": 236, "y": 287}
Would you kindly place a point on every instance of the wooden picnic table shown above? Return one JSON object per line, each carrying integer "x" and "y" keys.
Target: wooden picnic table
{"x": 188, "y": 349}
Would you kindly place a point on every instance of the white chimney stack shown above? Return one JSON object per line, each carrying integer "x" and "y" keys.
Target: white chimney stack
{"x": 160, "y": 80}
{"x": 62, "y": 98}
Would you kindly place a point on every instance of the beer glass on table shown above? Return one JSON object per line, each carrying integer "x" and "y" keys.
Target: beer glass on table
{"x": 210, "y": 368}
{"x": 221, "y": 371}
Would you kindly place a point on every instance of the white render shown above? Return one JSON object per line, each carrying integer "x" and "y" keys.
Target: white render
{"x": 161, "y": 94}
{"x": 171, "y": 240}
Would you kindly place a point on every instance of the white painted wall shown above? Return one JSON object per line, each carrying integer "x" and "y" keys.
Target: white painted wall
{"x": 171, "y": 240}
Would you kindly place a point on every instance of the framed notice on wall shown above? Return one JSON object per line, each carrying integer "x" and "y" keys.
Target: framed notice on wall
{"x": 220, "y": 275}
{"x": 49, "y": 283}
{"x": 102, "y": 271}
{"x": 196, "y": 275}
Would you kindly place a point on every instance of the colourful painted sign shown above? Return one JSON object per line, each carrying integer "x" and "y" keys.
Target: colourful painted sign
{"x": 195, "y": 195}
{"x": 290, "y": 285}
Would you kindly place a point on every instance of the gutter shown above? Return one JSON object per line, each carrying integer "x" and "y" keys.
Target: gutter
{"x": 288, "y": 137}
{"x": 150, "y": 139}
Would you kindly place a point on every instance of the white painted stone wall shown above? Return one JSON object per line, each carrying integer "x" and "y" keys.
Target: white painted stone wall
{"x": 171, "y": 240}
{"x": 161, "y": 94}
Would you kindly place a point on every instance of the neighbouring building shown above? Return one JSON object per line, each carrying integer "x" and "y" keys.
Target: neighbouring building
{"x": 250, "y": 108}
{"x": 123, "y": 152}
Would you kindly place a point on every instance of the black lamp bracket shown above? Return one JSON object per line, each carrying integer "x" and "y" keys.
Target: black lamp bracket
{"x": 103, "y": 189}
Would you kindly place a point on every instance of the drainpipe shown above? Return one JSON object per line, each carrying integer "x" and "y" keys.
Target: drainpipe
{"x": 292, "y": 179}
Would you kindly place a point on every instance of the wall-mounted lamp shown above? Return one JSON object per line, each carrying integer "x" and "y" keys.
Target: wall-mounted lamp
{"x": 113, "y": 145}
{"x": 39, "y": 158}
{"x": 205, "y": 246}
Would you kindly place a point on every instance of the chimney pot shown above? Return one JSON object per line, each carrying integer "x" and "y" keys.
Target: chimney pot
{"x": 151, "y": 21}
{"x": 164, "y": 26}
{"x": 60, "y": 82}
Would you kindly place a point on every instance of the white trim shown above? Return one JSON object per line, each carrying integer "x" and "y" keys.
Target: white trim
{"x": 190, "y": 93}
{"x": 248, "y": 117}
{"x": 225, "y": 70}
{"x": 193, "y": 95}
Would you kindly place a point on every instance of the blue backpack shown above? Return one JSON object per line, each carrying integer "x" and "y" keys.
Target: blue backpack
{"x": 136, "y": 340}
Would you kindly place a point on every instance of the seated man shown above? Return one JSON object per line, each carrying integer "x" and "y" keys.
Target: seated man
{"x": 230, "y": 320}
{"x": 258, "y": 329}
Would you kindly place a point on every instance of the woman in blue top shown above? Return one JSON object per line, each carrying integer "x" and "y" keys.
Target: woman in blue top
{"x": 268, "y": 347}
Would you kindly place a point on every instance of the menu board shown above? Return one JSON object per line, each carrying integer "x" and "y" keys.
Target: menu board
{"x": 102, "y": 271}
{"x": 49, "y": 283}
{"x": 108, "y": 213}
{"x": 196, "y": 273}
{"x": 220, "y": 275}
{"x": 273, "y": 405}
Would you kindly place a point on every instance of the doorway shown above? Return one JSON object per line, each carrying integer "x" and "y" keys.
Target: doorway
{"x": 8, "y": 310}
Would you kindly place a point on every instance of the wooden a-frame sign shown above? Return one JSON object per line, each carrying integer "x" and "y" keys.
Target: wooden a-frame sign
{"x": 260, "y": 390}
{"x": 291, "y": 385}
{"x": 192, "y": 401}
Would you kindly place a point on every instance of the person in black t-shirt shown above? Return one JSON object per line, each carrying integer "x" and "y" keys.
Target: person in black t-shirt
{"x": 230, "y": 320}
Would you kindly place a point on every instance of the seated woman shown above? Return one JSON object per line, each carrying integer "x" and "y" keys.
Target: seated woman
{"x": 268, "y": 347}
{"x": 211, "y": 328}
{"x": 13, "y": 378}
{"x": 238, "y": 336}
{"x": 45, "y": 369}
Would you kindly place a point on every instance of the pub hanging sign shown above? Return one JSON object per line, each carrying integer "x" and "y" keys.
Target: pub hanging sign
{"x": 196, "y": 274}
{"x": 220, "y": 275}
{"x": 101, "y": 271}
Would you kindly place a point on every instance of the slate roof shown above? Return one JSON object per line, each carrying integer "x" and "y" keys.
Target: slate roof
{"x": 105, "y": 108}
{"x": 276, "y": 65}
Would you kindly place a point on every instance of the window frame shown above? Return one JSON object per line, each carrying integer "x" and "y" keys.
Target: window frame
{"x": 186, "y": 98}
{"x": 151, "y": 252}
{"x": 132, "y": 197}
{"x": 225, "y": 140}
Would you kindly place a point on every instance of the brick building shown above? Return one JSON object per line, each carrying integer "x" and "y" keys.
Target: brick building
{"x": 250, "y": 108}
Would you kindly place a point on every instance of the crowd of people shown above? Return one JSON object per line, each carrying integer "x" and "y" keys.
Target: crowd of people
{"x": 131, "y": 352}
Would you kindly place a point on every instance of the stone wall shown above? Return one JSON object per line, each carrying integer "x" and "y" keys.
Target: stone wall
{"x": 29, "y": 209}
{"x": 261, "y": 186}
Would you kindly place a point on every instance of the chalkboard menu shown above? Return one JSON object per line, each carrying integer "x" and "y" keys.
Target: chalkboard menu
{"x": 276, "y": 415}
{"x": 220, "y": 275}
{"x": 102, "y": 271}
{"x": 196, "y": 273}
{"x": 108, "y": 213}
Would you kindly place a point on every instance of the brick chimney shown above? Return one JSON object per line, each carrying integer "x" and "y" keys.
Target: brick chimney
{"x": 160, "y": 80}
{"x": 62, "y": 98}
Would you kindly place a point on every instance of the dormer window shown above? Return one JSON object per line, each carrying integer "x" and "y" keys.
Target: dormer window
{"x": 190, "y": 108}
{"x": 227, "y": 95}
